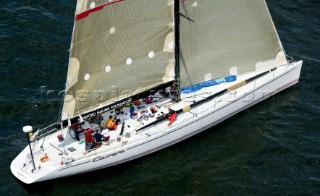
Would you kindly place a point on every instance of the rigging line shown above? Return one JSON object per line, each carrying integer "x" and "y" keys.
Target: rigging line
{"x": 185, "y": 67}
{"x": 59, "y": 118}
{"x": 186, "y": 17}
{"x": 65, "y": 153}
{"x": 195, "y": 50}
{"x": 185, "y": 10}
{"x": 192, "y": 96}
{"x": 44, "y": 138}
{"x": 78, "y": 110}
{"x": 76, "y": 38}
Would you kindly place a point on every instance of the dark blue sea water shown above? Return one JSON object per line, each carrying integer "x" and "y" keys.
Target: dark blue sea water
{"x": 272, "y": 148}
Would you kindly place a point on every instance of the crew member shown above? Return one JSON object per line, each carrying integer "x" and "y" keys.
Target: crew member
{"x": 98, "y": 137}
{"x": 112, "y": 125}
{"x": 108, "y": 120}
{"x": 75, "y": 128}
{"x": 88, "y": 139}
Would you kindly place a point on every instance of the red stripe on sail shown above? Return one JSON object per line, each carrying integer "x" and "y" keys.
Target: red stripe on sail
{"x": 88, "y": 12}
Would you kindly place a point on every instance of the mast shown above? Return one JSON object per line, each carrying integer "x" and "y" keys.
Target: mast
{"x": 176, "y": 11}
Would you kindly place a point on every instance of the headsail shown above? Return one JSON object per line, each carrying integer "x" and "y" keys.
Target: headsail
{"x": 227, "y": 37}
{"x": 119, "y": 48}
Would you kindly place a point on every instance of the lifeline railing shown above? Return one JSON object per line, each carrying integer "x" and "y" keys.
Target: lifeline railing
{"x": 41, "y": 133}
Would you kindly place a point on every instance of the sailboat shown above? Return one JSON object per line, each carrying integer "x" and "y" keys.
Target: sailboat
{"x": 147, "y": 74}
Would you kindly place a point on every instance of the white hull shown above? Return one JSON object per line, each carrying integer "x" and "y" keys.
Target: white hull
{"x": 187, "y": 124}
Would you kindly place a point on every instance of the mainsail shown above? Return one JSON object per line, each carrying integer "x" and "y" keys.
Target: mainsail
{"x": 123, "y": 47}
{"x": 119, "y": 48}
{"x": 226, "y": 37}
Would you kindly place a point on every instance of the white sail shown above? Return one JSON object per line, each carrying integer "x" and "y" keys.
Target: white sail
{"x": 118, "y": 48}
{"x": 226, "y": 37}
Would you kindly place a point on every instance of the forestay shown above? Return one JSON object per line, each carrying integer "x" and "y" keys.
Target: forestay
{"x": 227, "y": 37}
{"x": 119, "y": 48}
